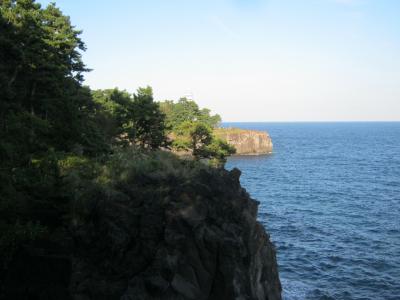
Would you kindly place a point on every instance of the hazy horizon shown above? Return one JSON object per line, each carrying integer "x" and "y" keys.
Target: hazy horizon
{"x": 299, "y": 121}
{"x": 250, "y": 61}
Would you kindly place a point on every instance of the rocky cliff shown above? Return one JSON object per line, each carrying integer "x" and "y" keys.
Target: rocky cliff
{"x": 246, "y": 142}
{"x": 164, "y": 229}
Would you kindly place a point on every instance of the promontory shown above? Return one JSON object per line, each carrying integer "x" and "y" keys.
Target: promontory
{"x": 246, "y": 142}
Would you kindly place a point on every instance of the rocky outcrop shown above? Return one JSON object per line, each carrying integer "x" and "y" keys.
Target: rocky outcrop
{"x": 199, "y": 240}
{"x": 184, "y": 233}
{"x": 246, "y": 142}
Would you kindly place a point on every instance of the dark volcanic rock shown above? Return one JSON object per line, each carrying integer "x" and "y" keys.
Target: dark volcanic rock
{"x": 187, "y": 233}
{"x": 196, "y": 238}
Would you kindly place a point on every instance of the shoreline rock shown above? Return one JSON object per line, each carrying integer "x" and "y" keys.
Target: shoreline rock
{"x": 246, "y": 142}
{"x": 199, "y": 240}
{"x": 180, "y": 231}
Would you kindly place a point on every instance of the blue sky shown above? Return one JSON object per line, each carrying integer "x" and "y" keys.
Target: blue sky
{"x": 250, "y": 60}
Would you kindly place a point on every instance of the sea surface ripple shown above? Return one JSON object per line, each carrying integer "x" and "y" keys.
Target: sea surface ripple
{"x": 330, "y": 199}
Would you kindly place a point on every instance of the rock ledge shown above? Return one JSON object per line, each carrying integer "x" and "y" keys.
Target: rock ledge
{"x": 246, "y": 142}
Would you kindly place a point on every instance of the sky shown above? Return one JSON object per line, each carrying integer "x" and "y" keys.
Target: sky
{"x": 249, "y": 60}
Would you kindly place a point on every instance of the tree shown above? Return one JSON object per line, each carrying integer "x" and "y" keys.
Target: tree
{"x": 41, "y": 73}
{"x": 44, "y": 114}
{"x": 198, "y": 138}
{"x": 201, "y": 138}
{"x": 115, "y": 114}
{"x": 218, "y": 150}
{"x": 187, "y": 111}
{"x": 148, "y": 121}
{"x": 131, "y": 119}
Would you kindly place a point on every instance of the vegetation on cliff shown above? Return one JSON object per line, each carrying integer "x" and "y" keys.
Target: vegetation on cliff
{"x": 159, "y": 227}
{"x": 51, "y": 124}
{"x": 192, "y": 129}
{"x": 69, "y": 153}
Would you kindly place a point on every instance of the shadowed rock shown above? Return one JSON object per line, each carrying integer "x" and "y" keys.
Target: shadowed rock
{"x": 188, "y": 233}
{"x": 198, "y": 239}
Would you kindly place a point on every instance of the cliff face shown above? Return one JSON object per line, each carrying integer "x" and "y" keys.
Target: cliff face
{"x": 171, "y": 230}
{"x": 200, "y": 240}
{"x": 246, "y": 142}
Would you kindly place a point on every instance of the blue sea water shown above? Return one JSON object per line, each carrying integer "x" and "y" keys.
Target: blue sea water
{"x": 330, "y": 199}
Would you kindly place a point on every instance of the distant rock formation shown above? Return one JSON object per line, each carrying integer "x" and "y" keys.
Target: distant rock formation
{"x": 246, "y": 142}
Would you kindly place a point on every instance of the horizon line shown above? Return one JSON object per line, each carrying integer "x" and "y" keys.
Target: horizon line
{"x": 329, "y": 121}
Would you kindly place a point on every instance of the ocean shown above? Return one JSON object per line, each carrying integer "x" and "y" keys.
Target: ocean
{"x": 330, "y": 200}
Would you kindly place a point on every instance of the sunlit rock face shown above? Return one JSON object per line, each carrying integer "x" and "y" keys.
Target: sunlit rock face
{"x": 246, "y": 142}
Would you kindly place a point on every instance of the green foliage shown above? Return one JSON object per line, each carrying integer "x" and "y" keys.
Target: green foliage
{"x": 204, "y": 145}
{"x": 218, "y": 150}
{"x": 199, "y": 139}
{"x": 32, "y": 203}
{"x": 63, "y": 146}
{"x": 114, "y": 110}
{"x": 148, "y": 121}
{"x": 131, "y": 120}
{"x": 191, "y": 129}
{"x": 187, "y": 111}
{"x": 40, "y": 77}
{"x": 131, "y": 173}
{"x": 133, "y": 166}
{"x": 44, "y": 113}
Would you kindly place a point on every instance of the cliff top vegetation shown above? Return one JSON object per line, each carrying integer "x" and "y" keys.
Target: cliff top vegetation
{"x": 59, "y": 137}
